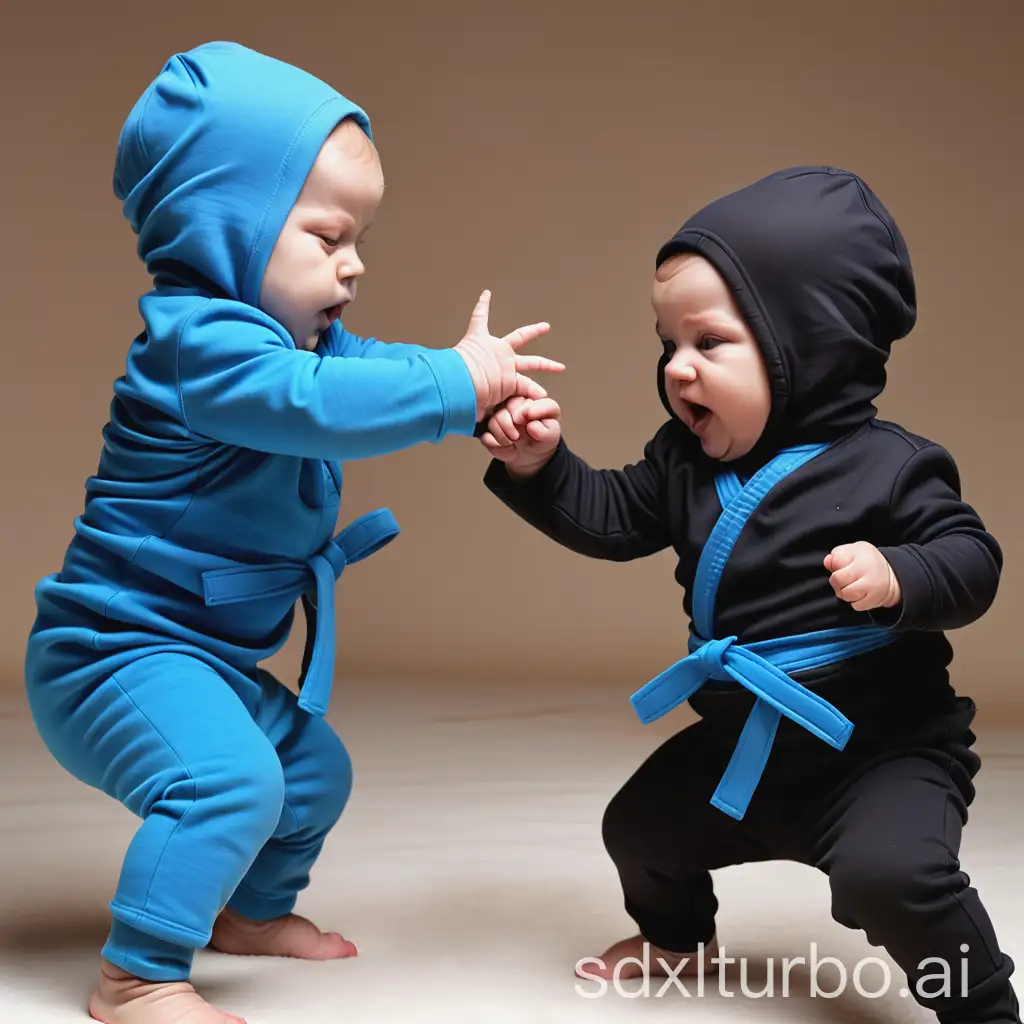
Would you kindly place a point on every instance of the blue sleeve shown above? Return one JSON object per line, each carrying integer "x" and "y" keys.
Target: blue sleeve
{"x": 340, "y": 342}
{"x": 240, "y": 383}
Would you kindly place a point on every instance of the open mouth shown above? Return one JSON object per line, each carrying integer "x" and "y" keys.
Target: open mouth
{"x": 699, "y": 415}
{"x": 334, "y": 312}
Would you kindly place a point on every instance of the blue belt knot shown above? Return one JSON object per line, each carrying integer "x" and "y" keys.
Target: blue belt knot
{"x": 312, "y": 580}
{"x": 761, "y": 667}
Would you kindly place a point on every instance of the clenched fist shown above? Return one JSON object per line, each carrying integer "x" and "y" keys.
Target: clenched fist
{"x": 524, "y": 433}
{"x": 862, "y": 576}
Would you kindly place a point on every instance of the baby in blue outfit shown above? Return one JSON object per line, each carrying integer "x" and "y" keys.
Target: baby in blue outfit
{"x": 250, "y": 185}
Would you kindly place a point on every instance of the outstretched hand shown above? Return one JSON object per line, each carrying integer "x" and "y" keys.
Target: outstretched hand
{"x": 497, "y": 369}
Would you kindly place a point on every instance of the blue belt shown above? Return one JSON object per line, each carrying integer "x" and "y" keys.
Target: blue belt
{"x": 238, "y": 583}
{"x": 760, "y": 667}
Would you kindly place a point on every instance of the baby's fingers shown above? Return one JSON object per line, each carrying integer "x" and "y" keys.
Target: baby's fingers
{"x": 541, "y": 409}
{"x": 504, "y": 452}
{"x": 517, "y": 406}
{"x": 843, "y": 578}
{"x": 478, "y": 319}
{"x": 855, "y": 591}
{"x": 840, "y": 557}
{"x": 532, "y": 364}
{"x": 524, "y": 335}
{"x": 501, "y": 427}
{"x": 544, "y": 431}
{"x": 528, "y": 388}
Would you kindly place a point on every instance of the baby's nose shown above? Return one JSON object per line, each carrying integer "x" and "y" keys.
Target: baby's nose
{"x": 681, "y": 368}
{"x": 350, "y": 269}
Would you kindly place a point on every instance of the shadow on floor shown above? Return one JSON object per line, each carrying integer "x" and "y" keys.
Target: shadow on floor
{"x": 57, "y": 950}
{"x": 531, "y": 926}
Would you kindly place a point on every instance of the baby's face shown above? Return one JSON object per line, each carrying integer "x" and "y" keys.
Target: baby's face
{"x": 313, "y": 269}
{"x": 716, "y": 380}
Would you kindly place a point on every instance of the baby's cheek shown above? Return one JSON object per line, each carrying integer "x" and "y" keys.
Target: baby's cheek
{"x": 675, "y": 405}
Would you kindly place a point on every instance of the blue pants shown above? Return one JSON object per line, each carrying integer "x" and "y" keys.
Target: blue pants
{"x": 236, "y": 799}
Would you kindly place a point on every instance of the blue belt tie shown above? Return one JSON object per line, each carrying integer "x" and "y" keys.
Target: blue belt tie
{"x": 760, "y": 667}
{"x": 360, "y": 539}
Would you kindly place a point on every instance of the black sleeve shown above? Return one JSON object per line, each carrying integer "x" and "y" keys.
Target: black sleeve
{"x": 617, "y": 515}
{"x": 947, "y": 564}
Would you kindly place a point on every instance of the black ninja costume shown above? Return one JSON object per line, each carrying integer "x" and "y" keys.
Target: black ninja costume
{"x": 827, "y": 735}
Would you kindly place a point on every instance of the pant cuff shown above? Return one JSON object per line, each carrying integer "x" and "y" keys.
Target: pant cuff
{"x": 674, "y": 935}
{"x": 146, "y": 956}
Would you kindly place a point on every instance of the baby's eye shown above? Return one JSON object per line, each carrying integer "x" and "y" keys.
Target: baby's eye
{"x": 709, "y": 341}
{"x": 331, "y": 243}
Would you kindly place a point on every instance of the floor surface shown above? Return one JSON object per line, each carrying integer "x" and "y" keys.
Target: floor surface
{"x": 469, "y": 871}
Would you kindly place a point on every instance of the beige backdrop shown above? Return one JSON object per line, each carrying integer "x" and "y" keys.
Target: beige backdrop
{"x": 544, "y": 150}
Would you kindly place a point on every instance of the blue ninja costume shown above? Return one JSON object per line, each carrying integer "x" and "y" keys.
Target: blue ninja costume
{"x": 213, "y": 511}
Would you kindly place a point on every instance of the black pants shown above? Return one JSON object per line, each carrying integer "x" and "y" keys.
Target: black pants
{"x": 884, "y": 827}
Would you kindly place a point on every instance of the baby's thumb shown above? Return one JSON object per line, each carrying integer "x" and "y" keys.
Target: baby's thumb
{"x": 839, "y": 557}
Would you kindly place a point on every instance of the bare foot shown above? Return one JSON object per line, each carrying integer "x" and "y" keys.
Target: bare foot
{"x": 121, "y": 998}
{"x": 290, "y": 936}
{"x": 658, "y": 961}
